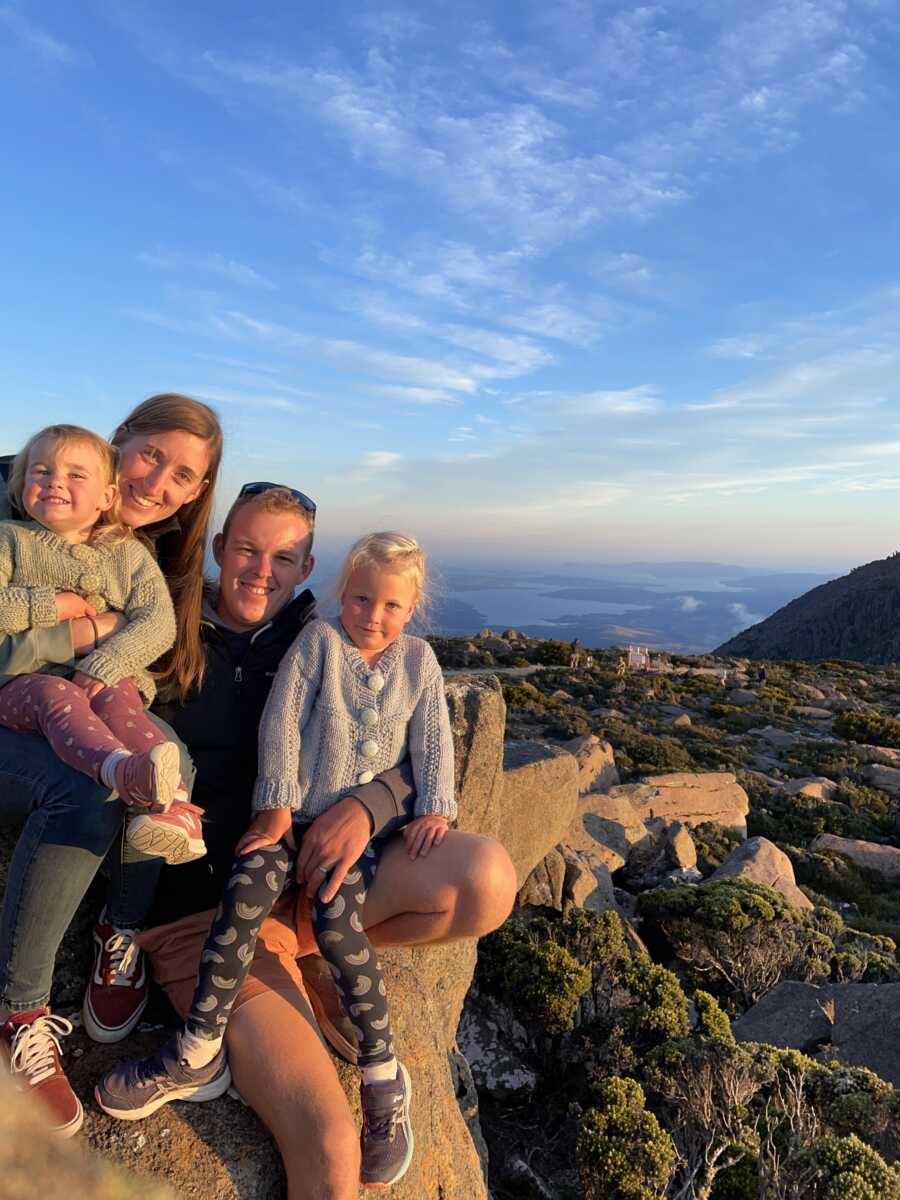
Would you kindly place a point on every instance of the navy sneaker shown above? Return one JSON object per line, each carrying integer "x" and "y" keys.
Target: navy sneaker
{"x": 137, "y": 1089}
{"x": 387, "y": 1136}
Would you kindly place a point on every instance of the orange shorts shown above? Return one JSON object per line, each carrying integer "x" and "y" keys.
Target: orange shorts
{"x": 174, "y": 952}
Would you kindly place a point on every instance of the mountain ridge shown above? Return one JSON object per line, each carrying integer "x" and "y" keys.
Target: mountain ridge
{"x": 855, "y": 617}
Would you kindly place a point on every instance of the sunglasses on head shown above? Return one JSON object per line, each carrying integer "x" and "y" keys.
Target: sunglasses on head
{"x": 256, "y": 489}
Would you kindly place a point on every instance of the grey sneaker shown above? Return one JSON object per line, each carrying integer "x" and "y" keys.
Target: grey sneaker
{"x": 136, "y": 1089}
{"x": 387, "y": 1136}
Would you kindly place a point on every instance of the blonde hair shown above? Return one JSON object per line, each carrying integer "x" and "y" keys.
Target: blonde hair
{"x": 108, "y": 527}
{"x": 394, "y": 553}
{"x": 273, "y": 500}
{"x": 180, "y": 671}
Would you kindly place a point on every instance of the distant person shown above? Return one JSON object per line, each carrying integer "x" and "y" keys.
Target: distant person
{"x": 762, "y": 676}
{"x": 575, "y": 654}
{"x": 310, "y": 749}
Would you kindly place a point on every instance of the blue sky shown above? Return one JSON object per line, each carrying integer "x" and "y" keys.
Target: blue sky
{"x": 577, "y": 280}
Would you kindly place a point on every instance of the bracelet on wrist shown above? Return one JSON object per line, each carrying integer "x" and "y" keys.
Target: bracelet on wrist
{"x": 96, "y": 629}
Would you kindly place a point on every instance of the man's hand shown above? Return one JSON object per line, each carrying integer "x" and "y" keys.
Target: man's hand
{"x": 69, "y": 606}
{"x": 423, "y": 833}
{"x": 88, "y": 684}
{"x": 266, "y": 829}
{"x": 107, "y": 624}
{"x": 332, "y": 844}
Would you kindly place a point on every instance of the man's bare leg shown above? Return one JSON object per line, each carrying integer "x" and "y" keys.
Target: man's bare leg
{"x": 463, "y": 888}
{"x": 283, "y": 1071}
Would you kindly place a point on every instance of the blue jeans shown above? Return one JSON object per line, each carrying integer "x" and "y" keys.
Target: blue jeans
{"x": 70, "y": 824}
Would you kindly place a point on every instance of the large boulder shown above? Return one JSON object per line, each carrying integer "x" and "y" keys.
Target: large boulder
{"x": 220, "y": 1150}
{"x": 597, "y": 771}
{"x": 690, "y": 798}
{"x": 544, "y": 887}
{"x": 760, "y": 861}
{"x": 536, "y": 803}
{"x": 606, "y": 828}
{"x": 882, "y": 776}
{"x": 817, "y": 787}
{"x": 883, "y": 861}
{"x": 853, "y": 1022}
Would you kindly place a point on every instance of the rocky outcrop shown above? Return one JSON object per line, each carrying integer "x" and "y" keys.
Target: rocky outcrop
{"x": 849, "y": 1021}
{"x": 760, "y": 861}
{"x": 689, "y": 798}
{"x": 883, "y": 861}
{"x": 220, "y": 1150}
{"x": 856, "y": 617}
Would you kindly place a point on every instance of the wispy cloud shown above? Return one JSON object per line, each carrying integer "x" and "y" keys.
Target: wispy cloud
{"x": 205, "y": 264}
{"x": 50, "y": 50}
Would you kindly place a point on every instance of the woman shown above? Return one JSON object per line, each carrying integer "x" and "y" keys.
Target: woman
{"x": 170, "y": 450}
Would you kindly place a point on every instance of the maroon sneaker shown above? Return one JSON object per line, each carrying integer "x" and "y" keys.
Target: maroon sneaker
{"x": 31, "y": 1040}
{"x": 117, "y": 989}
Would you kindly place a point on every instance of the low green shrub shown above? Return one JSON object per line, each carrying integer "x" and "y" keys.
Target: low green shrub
{"x": 622, "y": 1151}
{"x": 867, "y": 728}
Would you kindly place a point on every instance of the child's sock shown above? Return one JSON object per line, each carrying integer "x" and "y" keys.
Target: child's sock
{"x": 108, "y": 767}
{"x": 379, "y": 1072}
{"x": 198, "y": 1051}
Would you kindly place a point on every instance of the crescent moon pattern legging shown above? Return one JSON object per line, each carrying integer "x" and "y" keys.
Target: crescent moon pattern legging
{"x": 257, "y": 880}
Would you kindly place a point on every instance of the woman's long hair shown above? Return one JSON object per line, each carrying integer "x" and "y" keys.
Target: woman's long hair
{"x": 181, "y": 670}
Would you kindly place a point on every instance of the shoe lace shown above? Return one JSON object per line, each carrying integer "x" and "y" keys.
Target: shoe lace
{"x": 123, "y": 952}
{"x": 383, "y": 1125}
{"x": 36, "y": 1045}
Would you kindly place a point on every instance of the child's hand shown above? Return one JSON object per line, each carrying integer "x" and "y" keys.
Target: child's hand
{"x": 88, "y": 684}
{"x": 267, "y": 828}
{"x": 70, "y": 606}
{"x": 423, "y": 833}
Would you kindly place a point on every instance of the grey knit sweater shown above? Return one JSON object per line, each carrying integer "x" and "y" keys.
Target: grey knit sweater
{"x": 331, "y": 722}
{"x": 36, "y": 563}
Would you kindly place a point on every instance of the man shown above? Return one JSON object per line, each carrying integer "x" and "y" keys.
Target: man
{"x": 465, "y": 887}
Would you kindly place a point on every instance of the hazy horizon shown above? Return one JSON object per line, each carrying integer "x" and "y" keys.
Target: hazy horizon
{"x": 593, "y": 281}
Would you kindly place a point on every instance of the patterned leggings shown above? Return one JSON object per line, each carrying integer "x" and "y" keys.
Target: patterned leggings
{"x": 82, "y": 732}
{"x": 256, "y": 882}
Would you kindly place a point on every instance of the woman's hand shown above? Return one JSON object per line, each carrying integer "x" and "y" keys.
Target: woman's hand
{"x": 107, "y": 624}
{"x": 88, "y": 684}
{"x": 266, "y": 829}
{"x": 423, "y": 833}
{"x": 331, "y": 845}
{"x": 70, "y": 606}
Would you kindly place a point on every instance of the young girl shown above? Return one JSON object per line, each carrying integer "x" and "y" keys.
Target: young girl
{"x": 353, "y": 697}
{"x": 73, "y": 559}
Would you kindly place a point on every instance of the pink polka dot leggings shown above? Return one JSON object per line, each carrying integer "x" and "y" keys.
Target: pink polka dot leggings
{"x": 81, "y": 731}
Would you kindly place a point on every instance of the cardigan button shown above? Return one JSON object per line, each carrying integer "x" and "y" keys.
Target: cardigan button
{"x": 96, "y": 600}
{"x": 369, "y": 716}
{"x": 376, "y": 681}
{"x": 90, "y": 581}
{"x": 369, "y": 748}
{"x": 80, "y": 551}
{"x": 365, "y": 777}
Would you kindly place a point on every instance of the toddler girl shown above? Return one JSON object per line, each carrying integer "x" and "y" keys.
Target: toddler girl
{"x": 352, "y": 697}
{"x": 73, "y": 560}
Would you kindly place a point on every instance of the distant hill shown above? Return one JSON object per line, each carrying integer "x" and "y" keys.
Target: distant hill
{"x": 856, "y": 617}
